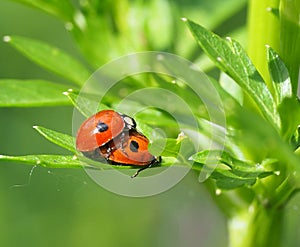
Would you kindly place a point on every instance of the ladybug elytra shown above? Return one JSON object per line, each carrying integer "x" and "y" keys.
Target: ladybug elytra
{"x": 113, "y": 136}
{"x": 101, "y": 128}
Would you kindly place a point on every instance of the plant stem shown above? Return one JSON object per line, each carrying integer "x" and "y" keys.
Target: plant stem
{"x": 290, "y": 38}
{"x": 257, "y": 226}
{"x": 263, "y": 29}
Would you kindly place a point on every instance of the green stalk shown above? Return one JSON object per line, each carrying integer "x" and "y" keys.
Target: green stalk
{"x": 257, "y": 226}
{"x": 260, "y": 224}
{"x": 290, "y": 38}
{"x": 276, "y": 23}
{"x": 263, "y": 29}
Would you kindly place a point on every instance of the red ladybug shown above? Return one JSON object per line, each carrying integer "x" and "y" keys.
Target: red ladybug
{"x": 113, "y": 136}
{"x": 101, "y": 128}
{"x": 132, "y": 150}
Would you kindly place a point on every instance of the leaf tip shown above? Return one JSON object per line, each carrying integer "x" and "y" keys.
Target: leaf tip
{"x": 70, "y": 90}
{"x": 269, "y": 9}
{"x": 184, "y": 19}
{"x": 6, "y": 38}
{"x": 277, "y": 173}
{"x": 269, "y": 49}
{"x": 228, "y": 39}
{"x": 218, "y": 192}
{"x": 35, "y": 126}
{"x": 219, "y": 59}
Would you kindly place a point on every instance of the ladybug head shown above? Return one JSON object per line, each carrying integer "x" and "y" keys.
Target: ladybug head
{"x": 129, "y": 122}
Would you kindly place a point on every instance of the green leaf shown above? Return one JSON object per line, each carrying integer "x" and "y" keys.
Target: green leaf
{"x": 180, "y": 149}
{"x": 85, "y": 103}
{"x": 232, "y": 88}
{"x": 279, "y": 75}
{"x": 295, "y": 141}
{"x": 227, "y": 181}
{"x": 289, "y": 111}
{"x": 28, "y": 93}
{"x": 259, "y": 140}
{"x": 161, "y": 16}
{"x": 50, "y": 161}
{"x": 68, "y": 161}
{"x": 230, "y": 172}
{"x": 51, "y": 58}
{"x": 236, "y": 166}
{"x": 150, "y": 117}
{"x": 230, "y": 57}
{"x": 58, "y": 138}
{"x": 169, "y": 146}
{"x": 62, "y": 9}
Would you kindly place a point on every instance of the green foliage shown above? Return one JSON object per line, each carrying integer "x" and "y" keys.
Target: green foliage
{"x": 290, "y": 38}
{"x": 28, "y": 93}
{"x": 61, "y": 9}
{"x": 270, "y": 121}
{"x": 260, "y": 160}
{"x": 289, "y": 111}
{"x": 279, "y": 76}
{"x": 63, "y": 140}
{"x": 275, "y": 23}
{"x": 49, "y": 161}
{"x": 233, "y": 60}
{"x": 50, "y": 58}
{"x": 230, "y": 172}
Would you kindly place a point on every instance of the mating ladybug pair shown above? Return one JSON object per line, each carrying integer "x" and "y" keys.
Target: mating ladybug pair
{"x": 113, "y": 136}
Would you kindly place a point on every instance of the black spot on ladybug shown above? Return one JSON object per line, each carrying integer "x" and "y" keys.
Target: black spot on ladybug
{"x": 134, "y": 146}
{"x": 101, "y": 127}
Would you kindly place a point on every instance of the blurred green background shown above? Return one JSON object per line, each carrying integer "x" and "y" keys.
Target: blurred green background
{"x": 43, "y": 207}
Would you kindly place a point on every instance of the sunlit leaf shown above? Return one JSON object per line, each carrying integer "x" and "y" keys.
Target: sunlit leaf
{"x": 86, "y": 104}
{"x": 279, "y": 75}
{"x": 229, "y": 171}
{"x": 51, "y": 58}
{"x": 58, "y": 138}
{"x": 61, "y": 9}
{"x": 227, "y": 180}
{"x": 231, "y": 58}
{"x": 289, "y": 111}
{"x": 28, "y": 93}
{"x": 236, "y": 166}
{"x": 180, "y": 149}
{"x": 232, "y": 88}
{"x": 45, "y": 160}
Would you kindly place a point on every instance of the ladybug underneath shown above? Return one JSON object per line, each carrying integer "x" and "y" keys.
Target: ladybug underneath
{"x": 113, "y": 136}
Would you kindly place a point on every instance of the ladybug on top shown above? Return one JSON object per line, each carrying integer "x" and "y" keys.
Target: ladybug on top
{"x": 113, "y": 136}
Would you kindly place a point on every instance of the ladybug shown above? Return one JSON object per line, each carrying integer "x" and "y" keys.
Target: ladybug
{"x": 112, "y": 136}
{"x": 101, "y": 128}
{"x": 130, "y": 151}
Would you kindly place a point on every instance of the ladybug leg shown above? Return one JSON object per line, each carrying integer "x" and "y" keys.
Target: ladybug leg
{"x": 139, "y": 170}
{"x": 157, "y": 160}
{"x": 108, "y": 151}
